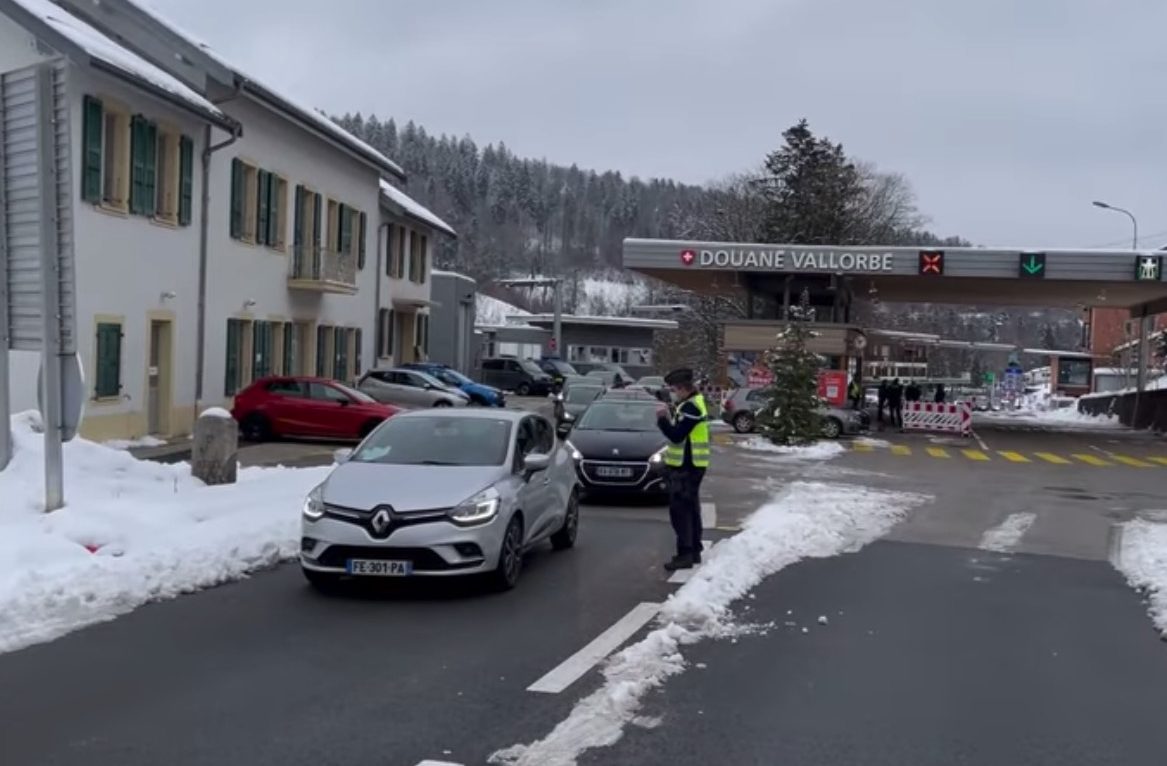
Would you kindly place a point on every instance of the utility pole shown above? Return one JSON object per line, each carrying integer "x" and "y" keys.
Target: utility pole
{"x": 556, "y": 285}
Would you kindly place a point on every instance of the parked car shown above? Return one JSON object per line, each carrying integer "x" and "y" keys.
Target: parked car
{"x": 442, "y": 492}
{"x": 613, "y": 367}
{"x": 617, "y": 448}
{"x": 275, "y": 407}
{"x": 572, "y": 402}
{"x": 519, "y": 375}
{"x": 558, "y": 369}
{"x": 655, "y": 385}
{"x": 410, "y": 388}
{"x": 610, "y": 378}
{"x": 637, "y": 394}
{"x": 740, "y": 410}
{"x": 479, "y": 393}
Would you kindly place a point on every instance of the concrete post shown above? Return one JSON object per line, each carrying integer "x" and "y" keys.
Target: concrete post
{"x": 214, "y": 451}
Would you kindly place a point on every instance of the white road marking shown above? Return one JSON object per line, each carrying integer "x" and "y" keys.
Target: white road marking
{"x": 438, "y": 763}
{"x": 574, "y": 667}
{"x": 708, "y": 515}
{"x": 1005, "y": 536}
{"x": 683, "y": 575}
{"x": 980, "y": 441}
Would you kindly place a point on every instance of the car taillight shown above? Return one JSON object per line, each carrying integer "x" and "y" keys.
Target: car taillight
{"x": 728, "y": 406}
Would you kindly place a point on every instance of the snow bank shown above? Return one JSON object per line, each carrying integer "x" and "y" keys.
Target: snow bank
{"x": 808, "y": 520}
{"x": 144, "y": 441}
{"x": 155, "y": 532}
{"x": 821, "y": 450}
{"x": 1143, "y": 560}
{"x": 1059, "y": 416}
{"x": 493, "y": 312}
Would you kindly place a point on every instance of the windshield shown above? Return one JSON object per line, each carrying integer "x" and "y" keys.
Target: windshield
{"x": 429, "y": 378}
{"x": 652, "y": 381}
{"x": 623, "y": 416}
{"x": 360, "y": 396}
{"x": 452, "y": 377}
{"x": 532, "y": 368}
{"x": 563, "y": 368}
{"x": 583, "y": 394}
{"x": 437, "y": 440}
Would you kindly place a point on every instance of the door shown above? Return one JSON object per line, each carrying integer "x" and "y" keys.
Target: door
{"x": 382, "y": 386}
{"x": 286, "y": 408}
{"x": 329, "y": 412}
{"x": 535, "y": 493}
{"x": 158, "y": 379}
{"x": 419, "y": 389}
{"x": 513, "y": 374}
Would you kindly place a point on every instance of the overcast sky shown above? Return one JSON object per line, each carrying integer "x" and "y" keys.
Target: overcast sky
{"x": 1007, "y": 116}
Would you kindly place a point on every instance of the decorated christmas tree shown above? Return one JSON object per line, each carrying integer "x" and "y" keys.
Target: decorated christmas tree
{"x": 790, "y": 416}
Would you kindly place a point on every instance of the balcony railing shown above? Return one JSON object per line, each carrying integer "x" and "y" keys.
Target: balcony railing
{"x": 322, "y": 270}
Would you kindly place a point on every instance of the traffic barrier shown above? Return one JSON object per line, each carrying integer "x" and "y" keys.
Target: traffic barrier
{"x": 954, "y": 417}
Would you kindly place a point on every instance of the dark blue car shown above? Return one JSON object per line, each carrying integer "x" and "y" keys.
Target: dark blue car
{"x": 481, "y": 394}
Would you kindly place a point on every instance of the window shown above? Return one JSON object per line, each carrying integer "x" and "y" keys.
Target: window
{"x": 544, "y": 437}
{"x": 385, "y": 333}
{"x": 340, "y": 345}
{"x": 494, "y": 364}
{"x": 399, "y": 252}
{"x": 390, "y": 236}
{"x": 290, "y": 360}
{"x": 322, "y": 391}
{"x": 421, "y": 333}
{"x": 417, "y": 246}
{"x": 106, "y": 137}
{"x": 259, "y": 205}
{"x": 235, "y": 376}
{"x": 262, "y": 349}
{"x": 1074, "y": 372}
{"x": 323, "y": 351}
{"x": 108, "y": 355}
{"x": 525, "y": 441}
{"x": 286, "y": 388}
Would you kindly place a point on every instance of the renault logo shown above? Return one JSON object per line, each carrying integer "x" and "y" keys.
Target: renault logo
{"x": 615, "y": 451}
{"x": 381, "y": 521}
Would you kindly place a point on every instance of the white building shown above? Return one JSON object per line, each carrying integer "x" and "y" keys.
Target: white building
{"x": 188, "y": 292}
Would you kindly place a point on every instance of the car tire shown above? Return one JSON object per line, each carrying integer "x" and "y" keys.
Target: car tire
{"x": 832, "y": 428}
{"x": 510, "y": 557}
{"x": 523, "y": 389}
{"x": 325, "y": 582}
{"x": 255, "y": 428}
{"x": 441, "y": 403}
{"x": 743, "y": 422}
{"x": 564, "y": 538}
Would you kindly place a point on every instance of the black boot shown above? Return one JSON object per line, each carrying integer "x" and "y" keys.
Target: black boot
{"x": 680, "y": 561}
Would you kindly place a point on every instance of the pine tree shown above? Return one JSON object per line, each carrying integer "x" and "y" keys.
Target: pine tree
{"x": 791, "y": 416}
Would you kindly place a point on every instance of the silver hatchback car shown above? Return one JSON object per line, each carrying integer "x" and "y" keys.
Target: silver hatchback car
{"x": 442, "y": 492}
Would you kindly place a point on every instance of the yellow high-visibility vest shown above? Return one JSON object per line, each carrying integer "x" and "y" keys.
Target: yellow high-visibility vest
{"x": 698, "y": 439}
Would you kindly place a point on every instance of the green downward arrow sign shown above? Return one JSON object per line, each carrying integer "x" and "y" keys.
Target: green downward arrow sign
{"x": 1033, "y": 264}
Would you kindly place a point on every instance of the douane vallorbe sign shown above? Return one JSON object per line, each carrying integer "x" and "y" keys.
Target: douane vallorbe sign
{"x": 781, "y": 259}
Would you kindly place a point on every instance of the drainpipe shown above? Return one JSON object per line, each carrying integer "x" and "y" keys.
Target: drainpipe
{"x": 204, "y": 231}
{"x": 377, "y": 331}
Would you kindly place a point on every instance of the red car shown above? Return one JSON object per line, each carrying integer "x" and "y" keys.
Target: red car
{"x": 306, "y": 407}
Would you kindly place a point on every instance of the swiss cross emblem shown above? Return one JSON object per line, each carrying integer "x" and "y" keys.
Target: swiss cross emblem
{"x": 688, "y": 256}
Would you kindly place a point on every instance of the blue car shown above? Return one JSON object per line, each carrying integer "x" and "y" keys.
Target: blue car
{"x": 481, "y": 394}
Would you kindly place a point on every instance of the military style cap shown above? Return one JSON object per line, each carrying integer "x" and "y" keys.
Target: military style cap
{"x": 679, "y": 377}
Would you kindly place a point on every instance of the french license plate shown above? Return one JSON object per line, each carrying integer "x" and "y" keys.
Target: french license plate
{"x": 379, "y": 568}
{"x": 613, "y": 472}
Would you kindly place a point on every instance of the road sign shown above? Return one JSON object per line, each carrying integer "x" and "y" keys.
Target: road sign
{"x": 1031, "y": 265}
{"x": 931, "y": 263}
{"x": 990, "y": 378}
{"x": 1148, "y": 268}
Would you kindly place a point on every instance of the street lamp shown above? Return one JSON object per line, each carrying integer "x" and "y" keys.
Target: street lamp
{"x": 1128, "y": 214}
{"x": 556, "y": 285}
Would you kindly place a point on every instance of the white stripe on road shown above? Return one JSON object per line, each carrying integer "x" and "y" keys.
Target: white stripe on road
{"x": 683, "y": 575}
{"x": 708, "y": 515}
{"x": 573, "y": 668}
{"x": 1005, "y": 536}
{"x": 980, "y": 441}
{"x": 438, "y": 763}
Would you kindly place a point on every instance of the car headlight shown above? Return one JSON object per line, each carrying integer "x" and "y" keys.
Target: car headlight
{"x": 568, "y": 416}
{"x": 658, "y": 456}
{"x": 314, "y": 504}
{"x": 575, "y": 454}
{"x": 477, "y": 510}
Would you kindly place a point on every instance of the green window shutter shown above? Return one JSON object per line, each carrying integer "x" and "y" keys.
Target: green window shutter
{"x": 339, "y": 355}
{"x": 298, "y": 217}
{"x": 290, "y": 349}
{"x": 149, "y": 168}
{"x": 379, "y": 334}
{"x": 108, "y": 381}
{"x": 237, "y": 196}
{"x": 273, "y": 210}
{"x": 263, "y": 182}
{"x": 93, "y": 123}
{"x": 185, "y": 181}
{"x": 341, "y": 229}
{"x": 137, "y": 164}
{"x": 322, "y": 351}
{"x": 317, "y": 216}
{"x": 361, "y": 240}
{"x": 234, "y": 346}
{"x": 357, "y": 352}
{"x": 390, "y": 332}
{"x": 262, "y": 349}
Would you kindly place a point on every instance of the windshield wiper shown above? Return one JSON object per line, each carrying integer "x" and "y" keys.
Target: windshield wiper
{"x": 435, "y": 462}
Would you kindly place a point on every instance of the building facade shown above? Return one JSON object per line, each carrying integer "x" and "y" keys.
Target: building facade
{"x": 452, "y": 338}
{"x": 589, "y": 341}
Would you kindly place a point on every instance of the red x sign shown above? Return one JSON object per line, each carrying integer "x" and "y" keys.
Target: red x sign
{"x": 932, "y": 262}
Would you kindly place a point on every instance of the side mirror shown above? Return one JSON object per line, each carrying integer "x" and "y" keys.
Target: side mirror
{"x": 345, "y": 402}
{"x": 342, "y": 455}
{"x": 533, "y": 464}
{"x": 430, "y": 386}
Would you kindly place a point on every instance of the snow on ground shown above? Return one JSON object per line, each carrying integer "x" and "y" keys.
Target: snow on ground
{"x": 142, "y": 441}
{"x": 808, "y": 520}
{"x": 820, "y": 450}
{"x": 1005, "y": 536}
{"x": 1059, "y": 416}
{"x": 1143, "y": 560}
{"x": 157, "y": 532}
{"x": 493, "y": 312}
{"x": 606, "y": 297}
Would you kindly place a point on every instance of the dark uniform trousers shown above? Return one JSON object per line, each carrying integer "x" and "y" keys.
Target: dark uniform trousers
{"x": 685, "y": 507}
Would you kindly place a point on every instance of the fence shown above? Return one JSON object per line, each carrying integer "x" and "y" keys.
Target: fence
{"x": 954, "y": 417}
{"x": 1152, "y": 409}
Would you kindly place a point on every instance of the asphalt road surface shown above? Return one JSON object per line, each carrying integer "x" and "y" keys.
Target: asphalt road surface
{"x": 936, "y": 648}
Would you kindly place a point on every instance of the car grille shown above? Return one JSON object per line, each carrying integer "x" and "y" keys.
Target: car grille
{"x": 593, "y": 468}
{"x": 424, "y": 559}
{"x": 364, "y": 519}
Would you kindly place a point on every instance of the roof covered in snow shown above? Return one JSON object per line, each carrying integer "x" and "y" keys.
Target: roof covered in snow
{"x": 414, "y": 209}
{"x": 452, "y": 275}
{"x": 85, "y": 45}
{"x": 600, "y": 321}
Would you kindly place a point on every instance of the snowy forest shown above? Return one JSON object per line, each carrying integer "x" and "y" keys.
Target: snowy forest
{"x": 518, "y": 216}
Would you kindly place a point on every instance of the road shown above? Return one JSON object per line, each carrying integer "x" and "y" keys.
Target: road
{"x": 936, "y": 648}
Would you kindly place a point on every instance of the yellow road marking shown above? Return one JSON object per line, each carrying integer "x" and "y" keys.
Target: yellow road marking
{"x": 937, "y": 452}
{"x": 1159, "y": 460}
{"x": 1013, "y": 457}
{"x": 862, "y": 448}
{"x": 899, "y": 449}
{"x": 975, "y": 454}
{"x": 1049, "y": 457}
{"x": 1090, "y": 459}
{"x": 1132, "y": 461}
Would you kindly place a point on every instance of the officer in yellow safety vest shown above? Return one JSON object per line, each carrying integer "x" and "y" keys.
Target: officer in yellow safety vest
{"x": 686, "y": 426}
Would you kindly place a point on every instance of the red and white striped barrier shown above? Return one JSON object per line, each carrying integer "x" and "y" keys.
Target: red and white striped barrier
{"x": 951, "y": 418}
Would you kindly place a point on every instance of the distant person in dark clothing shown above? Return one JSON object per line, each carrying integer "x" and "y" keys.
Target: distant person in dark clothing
{"x": 912, "y": 393}
{"x": 882, "y": 396}
{"x": 941, "y": 394}
{"x": 895, "y": 403}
